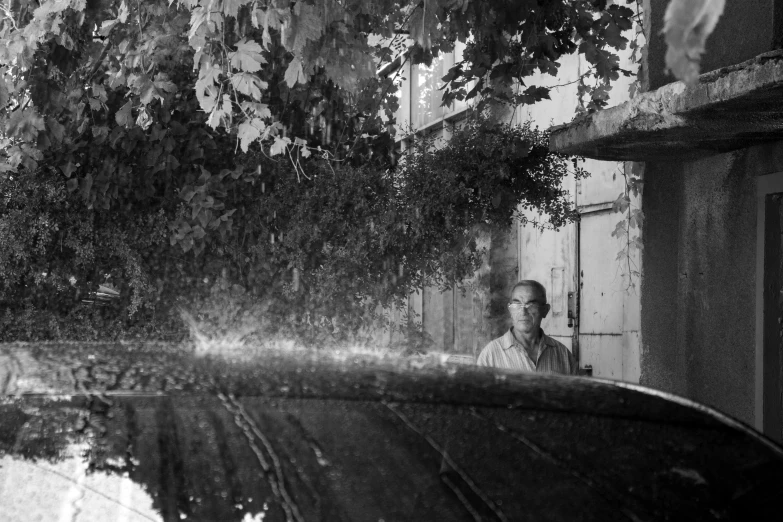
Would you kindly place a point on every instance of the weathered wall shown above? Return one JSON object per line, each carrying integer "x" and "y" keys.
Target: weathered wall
{"x": 662, "y": 363}
{"x": 503, "y": 277}
{"x": 750, "y": 33}
{"x": 698, "y": 291}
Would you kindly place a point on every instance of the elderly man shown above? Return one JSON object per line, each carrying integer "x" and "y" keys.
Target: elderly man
{"x": 525, "y": 347}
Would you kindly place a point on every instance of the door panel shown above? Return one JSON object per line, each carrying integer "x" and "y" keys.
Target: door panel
{"x": 602, "y": 281}
{"x": 549, "y": 257}
{"x": 604, "y": 353}
{"x": 603, "y": 344}
{"x": 773, "y": 317}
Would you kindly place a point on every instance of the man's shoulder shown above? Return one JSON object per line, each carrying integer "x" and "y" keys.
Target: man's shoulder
{"x": 555, "y": 343}
{"x": 493, "y": 347}
{"x": 564, "y": 354}
{"x": 504, "y": 341}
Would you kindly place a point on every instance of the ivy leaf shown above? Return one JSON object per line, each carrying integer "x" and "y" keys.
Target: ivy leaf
{"x": 24, "y": 124}
{"x": 187, "y": 193}
{"x": 72, "y": 184}
{"x": 100, "y": 132}
{"x": 124, "y": 117}
{"x": 55, "y": 129}
{"x": 294, "y": 72}
{"x": 247, "y": 57}
{"x": 99, "y": 92}
{"x": 165, "y": 86}
{"x": 248, "y": 84}
{"x": 198, "y": 232}
{"x": 249, "y": 131}
{"x": 3, "y": 89}
{"x": 122, "y": 15}
{"x": 279, "y": 146}
{"x": 68, "y": 169}
{"x": 117, "y": 79}
{"x": 107, "y": 26}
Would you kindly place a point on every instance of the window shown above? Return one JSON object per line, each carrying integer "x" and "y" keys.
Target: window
{"x": 421, "y": 92}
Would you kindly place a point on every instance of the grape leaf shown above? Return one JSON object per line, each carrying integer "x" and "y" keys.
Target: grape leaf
{"x": 231, "y": 7}
{"x": 248, "y": 84}
{"x": 305, "y": 25}
{"x": 220, "y": 111}
{"x": 279, "y": 146}
{"x": 53, "y": 7}
{"x": 249, "y": 131}
{"x": 205, "y": 86}
{"x": 424, "y": 24}
{"x": 687, "y": 24}
{"x": 294, "y": 72}
{"x": 247, "y": 57}
{"x": 259, "y": 109}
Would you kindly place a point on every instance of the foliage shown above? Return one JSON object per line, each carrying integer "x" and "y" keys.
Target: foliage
{"x": 160, "y": 144}
{"x": 629, "y": 228}
{"x": 687, "y": 24}
{"x": 514, "y": 40}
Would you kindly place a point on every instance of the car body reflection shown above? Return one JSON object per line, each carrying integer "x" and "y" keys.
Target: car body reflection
{"x": 148, "y": 434}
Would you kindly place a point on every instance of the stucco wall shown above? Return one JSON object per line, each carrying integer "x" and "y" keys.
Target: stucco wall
{"x": 503, "y": 277}
{"x": 750, "y": 33}
{"x": 698, "y": 291}
{"x": 662, "y": 362}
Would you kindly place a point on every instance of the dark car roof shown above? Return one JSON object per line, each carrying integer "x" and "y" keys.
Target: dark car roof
{"x": 294, "y": 435}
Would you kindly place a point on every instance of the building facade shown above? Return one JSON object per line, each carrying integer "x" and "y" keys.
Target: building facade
{"x": 595, "y": 307}
{"x": 712, "y": 162}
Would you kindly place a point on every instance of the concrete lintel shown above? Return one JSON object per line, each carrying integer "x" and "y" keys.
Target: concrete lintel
{"x": 730, "y": 108}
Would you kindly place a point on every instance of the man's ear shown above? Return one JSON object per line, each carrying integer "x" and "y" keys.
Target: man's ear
{"x": 546, "y": 309}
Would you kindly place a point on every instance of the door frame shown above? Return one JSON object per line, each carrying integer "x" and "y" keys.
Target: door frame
{"x": 765, "y": 185}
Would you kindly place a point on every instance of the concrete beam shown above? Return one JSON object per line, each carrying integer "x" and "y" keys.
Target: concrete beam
{"x": 730, "y": 108}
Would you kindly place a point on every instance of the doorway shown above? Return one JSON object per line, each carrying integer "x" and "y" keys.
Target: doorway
{"x": 769, "y": 307}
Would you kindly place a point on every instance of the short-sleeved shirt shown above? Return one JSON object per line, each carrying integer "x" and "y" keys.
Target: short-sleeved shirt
{"x": 506, "y": 352}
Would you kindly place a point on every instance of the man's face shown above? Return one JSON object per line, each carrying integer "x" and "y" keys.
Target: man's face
{"x": 527, "y": 307}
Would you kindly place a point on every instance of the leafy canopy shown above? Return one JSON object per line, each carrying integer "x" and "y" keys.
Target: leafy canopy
{"x": 135, "y": 134}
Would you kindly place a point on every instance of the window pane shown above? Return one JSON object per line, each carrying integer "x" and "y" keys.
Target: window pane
{"x": 425, "y": 96}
